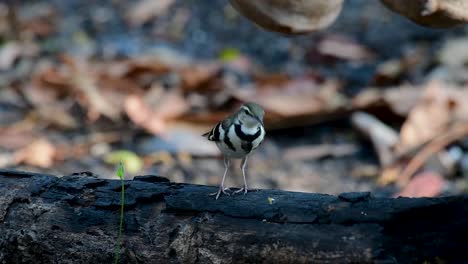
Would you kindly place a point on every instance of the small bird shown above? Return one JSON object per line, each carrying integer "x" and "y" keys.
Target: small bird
{"x": 237, "y": 136}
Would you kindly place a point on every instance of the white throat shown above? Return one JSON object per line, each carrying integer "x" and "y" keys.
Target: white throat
{"x": 250, "y": 130}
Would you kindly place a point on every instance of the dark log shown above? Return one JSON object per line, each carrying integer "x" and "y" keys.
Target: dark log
{"x": 74, "y": 219}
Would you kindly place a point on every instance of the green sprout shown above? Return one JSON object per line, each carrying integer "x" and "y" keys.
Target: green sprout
{"x": 120, "y": 174}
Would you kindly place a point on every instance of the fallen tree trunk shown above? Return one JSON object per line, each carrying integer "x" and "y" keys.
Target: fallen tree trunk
{"x": 74, "y": 219}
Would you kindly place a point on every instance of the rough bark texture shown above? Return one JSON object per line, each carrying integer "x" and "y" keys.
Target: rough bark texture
{"x": 74, "y": 219}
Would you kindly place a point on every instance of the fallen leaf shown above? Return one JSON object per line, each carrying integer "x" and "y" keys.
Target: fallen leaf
{"x": 40, "y": 153}
{"x": 383, "y": 137}
{"x": 431, "y": 13}
{"x": 154, "y": 117}
{"x": 85, "y": 82}
{"x": 135, "y": 67}
{"x": 389, "y": 174}
{"x": 50, "y": 107}
{"x": 39, "y": 18}
{"x": 401, "y": 99}
{"x": 142, "y": 115}
{"x": 453, "y": 53}
{"x": 425, "y": 184}
{"x": 344, "y": 48}
{"x": 229, "y": 54}
{"x": 145, "y": 10}
{"x": 196, "y": 77}
{"x": 271, "y": 200}
{"x": 299, "y": 101}
{"x": 13, "y": 139}
{"x": 456, "y": 132}
{"x": 8, "y": 54}
{"x": 163, "y": 158}
{"x": 437, "y": 109}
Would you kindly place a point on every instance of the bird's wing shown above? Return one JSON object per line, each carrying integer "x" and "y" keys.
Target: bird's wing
{"x": 227, "y": 122}
{"x": 214, "y": 133}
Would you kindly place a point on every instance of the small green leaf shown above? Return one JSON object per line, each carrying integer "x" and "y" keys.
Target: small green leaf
{"x": 133, "y": 163}
{"x": 229, "y": 54}
{"x": 271, "y": 200}
{"x": 121, "y": 170}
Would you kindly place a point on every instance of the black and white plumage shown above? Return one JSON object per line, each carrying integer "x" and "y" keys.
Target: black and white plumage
{"x": 237, "y": 136}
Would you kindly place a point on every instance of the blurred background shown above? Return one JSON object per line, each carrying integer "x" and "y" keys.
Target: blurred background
{"x": 373, "y": 103}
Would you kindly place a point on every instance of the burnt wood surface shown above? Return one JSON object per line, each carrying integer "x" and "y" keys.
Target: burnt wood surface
{"x": 75, "y": 219}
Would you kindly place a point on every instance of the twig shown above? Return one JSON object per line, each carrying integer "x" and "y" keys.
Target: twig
{"x": 457, "y": 132}
{"x": 383, "y": 137}
{"x": 13, "y": 19}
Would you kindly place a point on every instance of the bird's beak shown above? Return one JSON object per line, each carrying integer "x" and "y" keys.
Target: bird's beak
{"x": 259, "y": 120}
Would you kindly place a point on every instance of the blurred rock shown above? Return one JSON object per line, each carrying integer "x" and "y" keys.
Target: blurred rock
{"x": 432, "y": 13}
{"x": 291, "y": 17}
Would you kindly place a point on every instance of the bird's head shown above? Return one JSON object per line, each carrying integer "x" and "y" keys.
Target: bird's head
{"x": 251, "y": 114}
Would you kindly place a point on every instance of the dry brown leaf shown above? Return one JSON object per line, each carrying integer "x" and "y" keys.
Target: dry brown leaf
{"x": 13, "y": 139}
{"x": 56, "y": 114}
{"x": 432, "y": 13}
{"x": 272, "y": 80}
{"x": 49, "y": 107}
{"x": 454, "y": 53}
{"x": 295, "y": 97}
{"x": 142, "y": 115}
{"x": 56, "y": 79}
{"x": 196, "y": 77}
{"x": 134, "y": 67}
{"x": 438, "y": 119}
{"x": 166, "y": 104}
{"x": 383, "y": 137}
{"x": 344, "y": 48}
{"x": 206, "y": 118}
{"x": 401, "y": 100}
{"x": 8, "y": 54}
{"x": 39, "y": 153}
{"x": 85, "y": 81}
{"x": 300, "y": 101}
{"x": 154, "y": 117}
{"x": 11, "y": 51}
{"x": 145, "y": 10}
{"x": 389, "y": 174}
{"x": 457, "y": 132}
{"x": 438, "y": 108}
{"x": 40, "y": 19}
{"x": 425, "y": 184}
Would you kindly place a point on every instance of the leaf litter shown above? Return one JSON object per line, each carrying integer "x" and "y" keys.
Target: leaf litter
{"x": 152, "y": 109}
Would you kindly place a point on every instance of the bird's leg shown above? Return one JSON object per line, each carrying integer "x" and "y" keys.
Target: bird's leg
{"x": 221, "y": 189}
{"x": 243, "y": 165}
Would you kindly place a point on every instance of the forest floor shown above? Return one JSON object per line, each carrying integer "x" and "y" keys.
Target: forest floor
{"x": 84, "y": 84}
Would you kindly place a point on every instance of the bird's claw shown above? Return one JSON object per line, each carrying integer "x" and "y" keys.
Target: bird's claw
{"x": 221, "y": 190}
{"x": 241, "y": 190}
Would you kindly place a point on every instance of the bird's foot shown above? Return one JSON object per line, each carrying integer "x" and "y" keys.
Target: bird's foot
{"x": 244, "y": 189}
{"x": 221, "y": 190}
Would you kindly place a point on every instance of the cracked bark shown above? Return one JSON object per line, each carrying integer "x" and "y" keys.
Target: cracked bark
{"x": 74, "y": 219}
